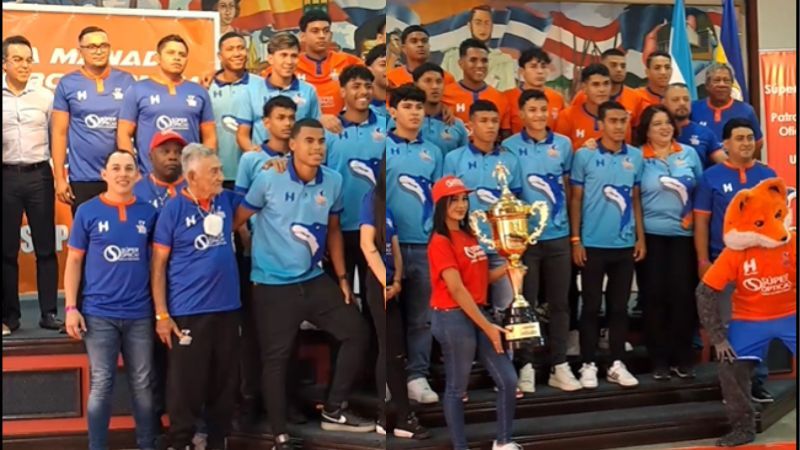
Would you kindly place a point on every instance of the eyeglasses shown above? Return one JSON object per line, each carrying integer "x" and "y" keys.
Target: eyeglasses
{"x": 94, "y": 48}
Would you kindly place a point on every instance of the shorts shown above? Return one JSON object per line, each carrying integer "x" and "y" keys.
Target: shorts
{"x": 751, "y": 339}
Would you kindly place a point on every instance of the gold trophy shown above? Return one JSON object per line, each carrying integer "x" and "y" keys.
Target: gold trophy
{"x": 508, "y": 220}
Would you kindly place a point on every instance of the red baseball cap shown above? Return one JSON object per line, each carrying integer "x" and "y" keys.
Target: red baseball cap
{"x": 165, "y": 136}
{"x": 448, "y": 186}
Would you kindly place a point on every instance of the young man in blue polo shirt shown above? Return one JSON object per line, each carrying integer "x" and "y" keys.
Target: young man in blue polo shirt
{"x": 447, "y": 136}
{"x": 284, "y": 49}
{"x": 701, "y": 138}
{"x": 166, "y": 101}
{"x": 720, "y": 106}
{"x": 412, "y": 167}
{"x": 607, "y": 238}
{"x": 356, "y": 153}
{"x": 545, "y": 160}
{"x": 196, "y": 295}
{"x": 296, "y": 221}
{"x": 85, "y": 111}
{"x": 714, "y": 193}
{"x": 376, "y": 61}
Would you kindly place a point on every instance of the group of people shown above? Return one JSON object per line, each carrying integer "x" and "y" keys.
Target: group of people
{"x": 217, "y": 217}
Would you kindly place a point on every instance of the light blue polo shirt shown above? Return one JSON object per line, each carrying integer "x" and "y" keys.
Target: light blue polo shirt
{"x": 446, "y": 137}
{"x": 251, "y": 164}
{"x": 225, "y": 99}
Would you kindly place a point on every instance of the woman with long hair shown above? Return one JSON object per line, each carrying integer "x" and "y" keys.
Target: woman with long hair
{"x": 462, "y": 320}
{"x": 668, "y": 276}
{"x": 383, "y": 288}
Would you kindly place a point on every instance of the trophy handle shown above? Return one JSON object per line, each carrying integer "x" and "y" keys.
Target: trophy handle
{"x": 475, "y": 218}
{"x": 539, "y": 208}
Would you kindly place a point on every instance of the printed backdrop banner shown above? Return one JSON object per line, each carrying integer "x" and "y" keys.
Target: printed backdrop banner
{"x": 779, "y": 88}
{"x": 53, "y": 32}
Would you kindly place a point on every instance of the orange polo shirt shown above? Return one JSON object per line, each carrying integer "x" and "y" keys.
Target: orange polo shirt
{"x": 400, "y": 76}
{"x": 324, "y": 76}
{"x": 579, "y": 126}
{"x": 555, "y": 104}
{"x": 627, "y": 97}
{"x": 460, "y": 98}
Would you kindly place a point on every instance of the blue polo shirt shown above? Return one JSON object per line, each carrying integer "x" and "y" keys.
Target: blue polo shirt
{"x": 667, "y": 191}
{"x": 202, "y": 275}
{"x": 251, "y": 164}
{"x": 291, "y": 224}
{"x": 607, "y": 180}
{"x": 379, "y": 106}
{"x": 543, "y": 165}
{"x": 356, "y": 154}
{"x": 250, "y": 110}
{"x": 716, "y": 118}
{"x": 446, "y": 137}
{"x": 155, "y": 107}
{"x": 411, "y": 169}
{"x": 368, "y": 218}
{"x": 93, "y": 106}
{"x": 702, "y": 140}
{"x": 156, "y": 192}
{"x": 225, "y": 99}
{"x": 115, "y": 239}
{"x": 716, "y": 190}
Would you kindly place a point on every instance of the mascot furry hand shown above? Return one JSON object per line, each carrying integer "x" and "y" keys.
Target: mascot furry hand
{"x": 761, "y": 259}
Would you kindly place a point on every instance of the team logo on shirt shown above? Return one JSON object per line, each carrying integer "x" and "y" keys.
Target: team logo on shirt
{"x": 475, "y": 253}
{"x": 694, "y": 140}
{"x": 114, "y": 254}
{"x": 117, "y": 94}
{"x": 621, "y": 197}
{"x": 81, "y": 95}
{"x": 366, "y": 169}
{"x": 419, "y": 188}
{"x": 299, "y": 100}
{"x": 553, "y": 152}
{"x": 301, "y": 76}
{"x": 204, "y": 242}
{"x": 551, "y": 186}
{"x": 704, "y": 123}
{"x": 680, "y": 162}
{"x": 334, "y": 74}
{"x": 191, "y": 101}
{"x": 487, "y": 196}
{"x": 627, "y": 164}
{"x": 320, "y": 199}
{"x": 445, "y": 135}
{"x": 378, "y": 136}
{"x": 95, "y": 122}
{"x": 230, "y": 124}
{"x": 425, "y": 156}
{"x": 165, "y": 122}
{"x": 141, "y": 227}
{"x": 313, "y": 236}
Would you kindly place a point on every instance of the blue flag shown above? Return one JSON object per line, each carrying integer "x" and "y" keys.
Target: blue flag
{"x": 682, "y": 71}
{"x": 729, "y": 40}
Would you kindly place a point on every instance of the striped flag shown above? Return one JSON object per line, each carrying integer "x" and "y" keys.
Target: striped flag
{"x": 681, "y": 52}
{"x": 729, "y": 52}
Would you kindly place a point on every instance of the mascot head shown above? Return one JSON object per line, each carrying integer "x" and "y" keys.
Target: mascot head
{"x": 758, "y": 217}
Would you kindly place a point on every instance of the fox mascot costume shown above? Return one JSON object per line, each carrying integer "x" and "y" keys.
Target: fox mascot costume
{"x": 760, "y": 257}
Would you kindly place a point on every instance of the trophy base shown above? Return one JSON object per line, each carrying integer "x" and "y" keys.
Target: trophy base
{"x": 526, "y": 344}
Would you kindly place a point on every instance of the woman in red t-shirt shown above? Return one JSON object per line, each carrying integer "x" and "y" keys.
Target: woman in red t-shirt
{"x": 460, "y": 279}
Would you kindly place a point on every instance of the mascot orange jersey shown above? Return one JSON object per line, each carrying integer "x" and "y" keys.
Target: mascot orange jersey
{"x": 760, "y": 254}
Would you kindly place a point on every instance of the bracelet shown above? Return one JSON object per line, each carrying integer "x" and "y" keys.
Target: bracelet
{"x": 70, "y": 308}
{"x": 574, "y": 239}
{"x": 162, "y": 316}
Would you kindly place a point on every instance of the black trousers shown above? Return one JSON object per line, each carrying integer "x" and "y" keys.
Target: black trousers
{"x": 250, "y": 363}
{"x": 29, "y": 190}
{"x": 280, "y": 309}
{"x": 617, "y": 264}
{"x": 668, "y": 278}
{"x": 551, "y": 260}
{"x": 391, "y": 364}
{"x": 203, "y": 377}
{"x": 85, "y": 191}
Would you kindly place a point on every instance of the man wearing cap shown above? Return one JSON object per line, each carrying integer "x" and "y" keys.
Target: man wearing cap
{"x": 166, "y": 179}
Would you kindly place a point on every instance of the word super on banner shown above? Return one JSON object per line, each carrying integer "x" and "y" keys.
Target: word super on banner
{"x": 779, "y": 88}
{"x": 133, "y": 34}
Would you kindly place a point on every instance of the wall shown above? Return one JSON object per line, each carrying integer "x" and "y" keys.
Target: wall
{"x": 777, "y": 24}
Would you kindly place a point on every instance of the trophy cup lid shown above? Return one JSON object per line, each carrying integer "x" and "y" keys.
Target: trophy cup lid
{"x": 508, "y": 205}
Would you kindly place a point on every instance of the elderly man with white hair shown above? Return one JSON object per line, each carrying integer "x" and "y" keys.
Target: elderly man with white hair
{"x": 196, "y": 294}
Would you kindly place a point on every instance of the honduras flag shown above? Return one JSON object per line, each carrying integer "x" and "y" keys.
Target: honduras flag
{"x": 682, "y": 71}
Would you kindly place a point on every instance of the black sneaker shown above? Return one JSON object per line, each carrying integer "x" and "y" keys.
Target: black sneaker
{"x": 51, "y": 322}
{"x": 295, "y": 416}
{"x": 411, "y": 429}
{"x": 736, "y": 438}
{"x": 661, "y": 374}
{"x": 282, "y": 442}
{"x": 344, "y": 420}
{"x": 760, "y": 394}
{"x": 683, "y": 372}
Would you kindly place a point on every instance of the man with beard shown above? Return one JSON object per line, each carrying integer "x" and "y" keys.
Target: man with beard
{"x": 416, "y": 47}
{"x": 699, "y": 137}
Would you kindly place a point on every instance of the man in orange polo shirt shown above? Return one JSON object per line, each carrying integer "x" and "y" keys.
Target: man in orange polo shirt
{"x": 658, "y": 69}
{"x": 416, "y": 47}
{"x": 580, "y": 123}
{"x": 614, "y": 60}
{"x": 533, "y": 67}
{"x": 320, "y": 66}
{"x": 474, "y": 62}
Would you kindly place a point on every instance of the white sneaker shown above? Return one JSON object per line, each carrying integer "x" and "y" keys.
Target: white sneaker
{"x": 6, "y": 330}
{"x": 603, "y": 344}
{"x": 420, "y": 391}
{"x": 573, "y": 343}
{"x": 200, "y": 441}
{"x": 508, "y": 446}
{"x": 527, "y": 379}
{"x": 588, "y": 376}
{"x": 561, "y": 377}
{"x": 619, "y": 374}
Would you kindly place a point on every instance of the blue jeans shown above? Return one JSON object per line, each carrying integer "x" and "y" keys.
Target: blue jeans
{"x": 104, "y": 339}
{"x": 501, "y": 292}
{"x": 416, "y": 299}
{"x": 459, "y": 338}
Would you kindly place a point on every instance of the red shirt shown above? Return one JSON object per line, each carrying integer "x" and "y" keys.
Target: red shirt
{"x": 555, "y": 103}
{"x": 766, "y": 280}
{"x": 463, "y": 253}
